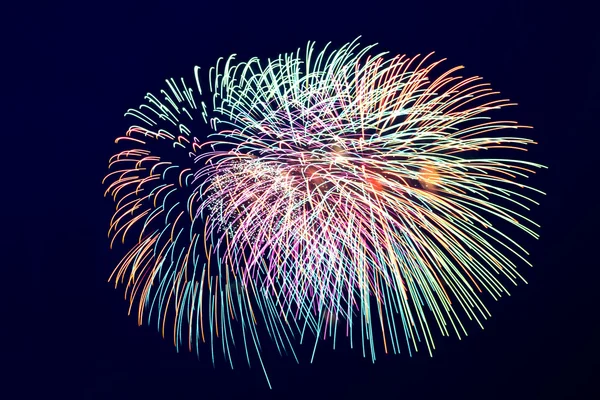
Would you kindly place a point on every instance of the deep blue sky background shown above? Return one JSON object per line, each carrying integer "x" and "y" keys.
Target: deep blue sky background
{"x": 76, "y": 67}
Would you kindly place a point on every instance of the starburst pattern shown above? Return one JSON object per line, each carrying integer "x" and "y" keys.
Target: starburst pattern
{"x": 338, "y": 193}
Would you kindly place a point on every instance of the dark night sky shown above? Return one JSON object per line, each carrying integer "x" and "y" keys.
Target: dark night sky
{"x": 78, "y": 66}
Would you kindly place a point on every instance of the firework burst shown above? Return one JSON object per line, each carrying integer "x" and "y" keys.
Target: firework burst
{"x": 338, "y": 193}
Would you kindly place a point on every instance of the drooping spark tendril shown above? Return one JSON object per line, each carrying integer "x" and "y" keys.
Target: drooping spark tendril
{"x": 338, "y": 194}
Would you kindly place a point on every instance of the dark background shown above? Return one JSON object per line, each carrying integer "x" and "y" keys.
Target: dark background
{"x": 74, "y": 68}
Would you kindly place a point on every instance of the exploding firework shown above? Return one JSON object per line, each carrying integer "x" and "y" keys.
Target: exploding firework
{"x": 337, "y": 193}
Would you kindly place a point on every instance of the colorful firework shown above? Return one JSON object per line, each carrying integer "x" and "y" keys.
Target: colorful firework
{"x": 337, "y": 193}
